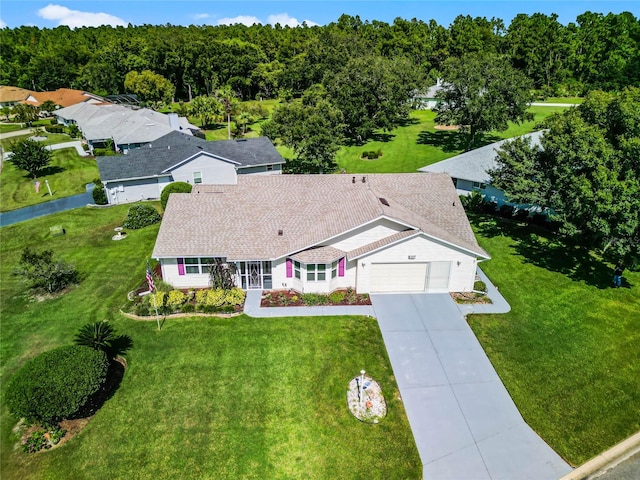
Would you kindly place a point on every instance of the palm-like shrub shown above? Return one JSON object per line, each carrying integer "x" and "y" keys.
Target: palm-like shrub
{"x": 96, "y": 335}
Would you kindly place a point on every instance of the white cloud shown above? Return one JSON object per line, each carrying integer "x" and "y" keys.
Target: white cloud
{"x": 284, "y": 19}
{"x": 76, "y": 18}
{"x": 201, "y": 16}
{"x": 247, "y": 20}
{"x": 2, "y": 23}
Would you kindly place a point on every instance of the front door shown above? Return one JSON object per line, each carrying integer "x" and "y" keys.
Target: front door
{"x": 255, "y": 275}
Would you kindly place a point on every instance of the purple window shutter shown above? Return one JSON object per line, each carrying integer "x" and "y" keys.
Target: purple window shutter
{"x": 341, "y": 267}
{"x": 181, "y": 266}
{"x": 289, "y": 268}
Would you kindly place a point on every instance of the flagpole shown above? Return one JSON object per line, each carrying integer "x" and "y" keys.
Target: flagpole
{"x": 155, "y": 304}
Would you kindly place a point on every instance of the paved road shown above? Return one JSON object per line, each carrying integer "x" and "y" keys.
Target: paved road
{"x": 464, "y": 422}
{"x": 628, "y": 469}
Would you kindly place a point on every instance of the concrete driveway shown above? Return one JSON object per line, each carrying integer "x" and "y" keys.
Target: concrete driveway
{"x": 463, "y": 420}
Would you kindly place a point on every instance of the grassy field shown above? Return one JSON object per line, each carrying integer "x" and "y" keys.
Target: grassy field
{"x": 204, "y": 397}
{"x": 417, "y": 144}
{"x": 10, "y": 127}
{"x": 571, "y": 100}
{"x": 68, "y": 173}
{"x": 52, "y": 138}
{"x": 568, "y": 350}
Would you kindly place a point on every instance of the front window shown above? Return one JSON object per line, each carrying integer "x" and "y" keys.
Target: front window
{"x": 197, "y": 265}
{"x": 197, "y": 178}
{"x": 334, "y": 269}
{"x": 316, "y": 272}
{"x": 296, "y": 269}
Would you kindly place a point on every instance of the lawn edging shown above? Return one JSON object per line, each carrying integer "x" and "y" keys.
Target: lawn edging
{"x": 179, "y": 315}
{"x": 611, "y": 457}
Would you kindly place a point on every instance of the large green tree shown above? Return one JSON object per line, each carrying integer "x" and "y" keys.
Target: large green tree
{"x": 373, "y": 93}
{"x": 313, "y": 131}
{"x": 149, "y": 86}
{"x": 587, "y": 173}
{"x": 481, "y": 93}
{"x": 30, "y": 156}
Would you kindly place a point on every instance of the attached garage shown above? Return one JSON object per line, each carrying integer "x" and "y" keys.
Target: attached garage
{"x": 410, "y": 277}
{"x": 399, "y": 277}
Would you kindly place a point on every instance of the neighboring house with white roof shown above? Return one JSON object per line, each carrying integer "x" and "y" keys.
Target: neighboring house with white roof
{"x": 318, "y": 233}
{"x": 127, "y": 128}
{"x": 144, "y": 172}
{"x": 469, "y": 170}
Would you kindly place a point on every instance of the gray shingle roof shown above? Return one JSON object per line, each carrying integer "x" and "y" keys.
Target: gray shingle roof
{"x": 173, "y": 148}
{"x": 473, "y": 165}
{"x": 242, "y": 221}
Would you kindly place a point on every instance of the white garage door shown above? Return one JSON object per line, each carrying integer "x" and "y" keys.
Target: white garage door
{"x": 398, "y": 277}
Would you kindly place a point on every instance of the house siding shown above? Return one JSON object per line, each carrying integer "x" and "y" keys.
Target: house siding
{"x": 213, "y": 171}
{"x": 461, "y": 276}
{"x": 260, "y": 170}
{"x": 132, "y": 190}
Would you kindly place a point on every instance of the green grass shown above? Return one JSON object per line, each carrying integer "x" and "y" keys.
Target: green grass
{"x": 68, "y": 173}
{"x": 10, "y": 127}
{"x": 568, "y": 350}
{"x": 417, "y": 144}
{"x": 52, "y": 138}
{"x": 571, "y": 100}
{"x": 204, "y": 397}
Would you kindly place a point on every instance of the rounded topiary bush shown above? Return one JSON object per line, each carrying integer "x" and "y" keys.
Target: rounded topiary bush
{"x": 56, "y": 384}
{"x": 140, "y": 216}
{"x": 175, "y": 187}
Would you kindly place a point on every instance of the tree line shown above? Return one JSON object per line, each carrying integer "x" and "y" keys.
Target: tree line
{"x": 596, "y": 51}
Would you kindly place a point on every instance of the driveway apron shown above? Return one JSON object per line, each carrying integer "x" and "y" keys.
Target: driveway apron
{"x": 463, "y": 420}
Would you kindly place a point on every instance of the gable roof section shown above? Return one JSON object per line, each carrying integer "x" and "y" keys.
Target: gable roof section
{"x": 13, "y": 94}
{"x": 242, "y": 222}
{"x": 124, "y": 125}
{"x": 65, "y": 97}
{"x": 174, "y": 148}
{"x": 473, "y": 165}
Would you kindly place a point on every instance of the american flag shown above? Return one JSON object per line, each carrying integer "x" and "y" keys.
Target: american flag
{"x": 152, "y": 285}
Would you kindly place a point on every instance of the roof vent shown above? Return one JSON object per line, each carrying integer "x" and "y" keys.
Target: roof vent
{"x": 150, "y": 146}
{"x": 280, "y": 233}
{"x": 353, "y": 179}
{"x": 364, "y": 179}
{"x": 241, "y": 139}
{"x": 384, "y": 201}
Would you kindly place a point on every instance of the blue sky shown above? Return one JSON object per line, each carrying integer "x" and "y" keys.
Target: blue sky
{"x": 75, "y": 13}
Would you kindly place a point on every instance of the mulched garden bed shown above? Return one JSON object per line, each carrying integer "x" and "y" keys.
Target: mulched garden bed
{"x": 470, "y": 297}
{"x": 293, "y": 298}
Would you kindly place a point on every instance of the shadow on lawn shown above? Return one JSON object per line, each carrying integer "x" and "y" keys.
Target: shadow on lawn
{"x": 46, "y": 171}
{"x": 539, "y": 247}
{"x": 452, "y": 141}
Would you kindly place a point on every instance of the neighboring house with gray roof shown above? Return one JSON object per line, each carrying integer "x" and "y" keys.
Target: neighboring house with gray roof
{"x": 427, "y": 100}
{"x": 469, "y": 170}
{"x": 126, "y": 127}
{"x": 318, "y": 233}
{"x": 144, "y": 172}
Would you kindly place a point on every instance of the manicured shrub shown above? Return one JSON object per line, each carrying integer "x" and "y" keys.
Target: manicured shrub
{"x": 142, "y": 309}
{"x": 56, "y": 384}
{"x": 480, "y": 286}
{"x": 337, "y": 296}
{"x": 175, "y": 187}
{"x": 54, "y": 128}
{"x": 99, "y": 193}
{"x": 140, "y": 216}
{"x": 175, "y": 299}
{"x": 157, "y": 299}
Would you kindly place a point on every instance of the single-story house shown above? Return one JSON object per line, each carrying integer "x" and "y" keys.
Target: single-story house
{"x": 64, "y": 97}
{"x": 144, "y": 172}
{"x": 318, "y": 233}
{"x": 426, "y": 100}
{"x": 10, "y": 96}
{"x": 125, "y": 127}
{"x": 469, "y": 170}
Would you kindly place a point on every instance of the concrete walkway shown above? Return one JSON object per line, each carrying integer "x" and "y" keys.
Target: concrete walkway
{"x": 47, "y": 208}
{"x": 463, "y": 420}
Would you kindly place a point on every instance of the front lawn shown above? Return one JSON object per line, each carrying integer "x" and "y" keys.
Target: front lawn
{"x": 52, "y": 139}
{"x": 68, "y": 173}
{"x": 568, "y": 350}
{"x": 204, "y": 397}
